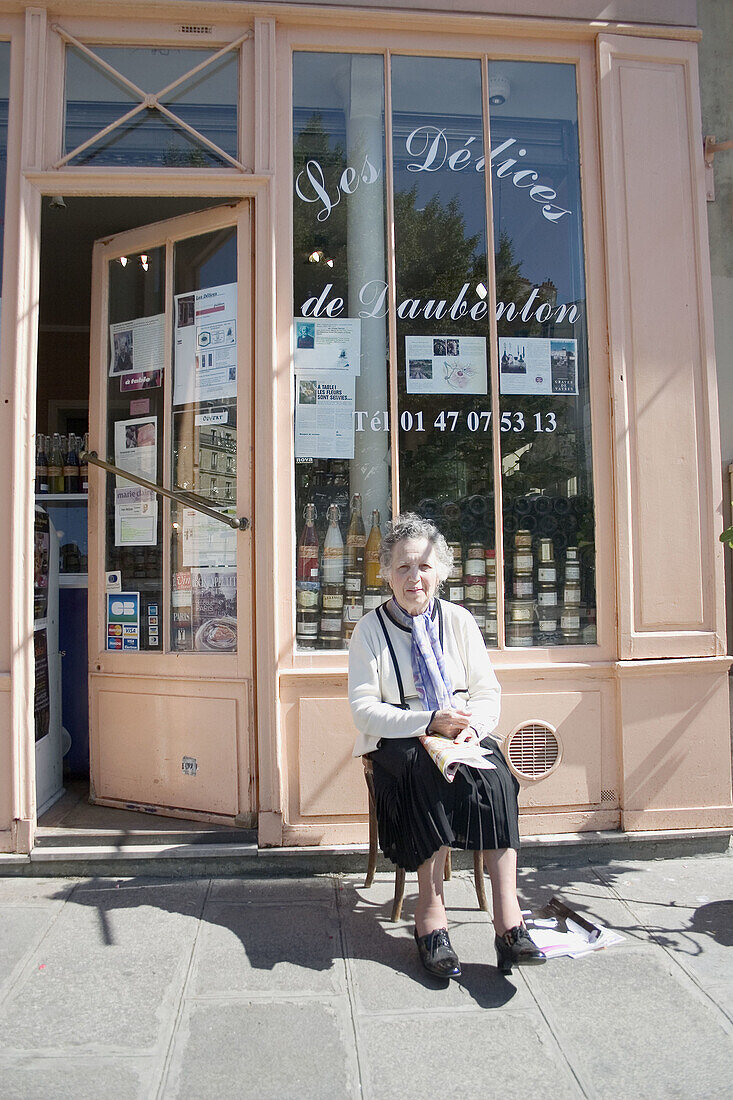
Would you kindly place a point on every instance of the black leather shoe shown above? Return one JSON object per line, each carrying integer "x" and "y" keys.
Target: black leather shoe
{"x": 516, "y": 948}
{"x": 437, "y": 955}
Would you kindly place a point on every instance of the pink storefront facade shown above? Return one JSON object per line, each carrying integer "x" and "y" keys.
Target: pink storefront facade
{"x": 296, "y": 265}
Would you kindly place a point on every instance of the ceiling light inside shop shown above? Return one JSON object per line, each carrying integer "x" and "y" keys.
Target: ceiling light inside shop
{"x": 499, "y": 90}
{"x": 315, "y": 257}
{"x": 123, "y": 261}
{"x": 144, "y": 262}
{"x": 481, "y": 290}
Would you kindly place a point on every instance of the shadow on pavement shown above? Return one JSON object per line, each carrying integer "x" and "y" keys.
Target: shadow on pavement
{"x": 306, "y": 932}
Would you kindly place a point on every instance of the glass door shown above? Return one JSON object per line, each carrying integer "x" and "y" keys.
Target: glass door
{"x": 170, "y": 571}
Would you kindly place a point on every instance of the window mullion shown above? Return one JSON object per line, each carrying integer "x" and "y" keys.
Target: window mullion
{"x": 392, "y": 284}
{"x": 102, "y": 134}
{"x": 203, "y": 64}
{"x": 69, "y": 38}
{"x": 493, "y": 362}
{"x": 200, "y": 137}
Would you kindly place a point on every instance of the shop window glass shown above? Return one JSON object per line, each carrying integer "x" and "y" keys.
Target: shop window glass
{"x": 540, "y": 521}
{"x": 340, "y": 338}
{"x": 204, "y": 550}
{"x": 545, "y": 429}
{"x": 4, "y": 102}
{"x": 135, "y": 419}
{"x": 444, "y": 390}
{"x": 96, "y": 98}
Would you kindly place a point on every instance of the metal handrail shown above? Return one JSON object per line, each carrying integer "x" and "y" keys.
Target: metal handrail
{"x": 187, "y": 499}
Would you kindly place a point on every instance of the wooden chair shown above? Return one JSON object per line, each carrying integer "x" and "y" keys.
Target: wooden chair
{"x": 399, "y": 878}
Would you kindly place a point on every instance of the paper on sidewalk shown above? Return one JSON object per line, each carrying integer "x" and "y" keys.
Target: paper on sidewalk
{"x": 559, "y": 930}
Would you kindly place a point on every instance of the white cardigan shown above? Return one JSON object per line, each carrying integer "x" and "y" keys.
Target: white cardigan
{"x": 381, "y": 709}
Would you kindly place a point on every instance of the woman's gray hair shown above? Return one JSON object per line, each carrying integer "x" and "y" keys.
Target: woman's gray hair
{"x": 411, "y": 526}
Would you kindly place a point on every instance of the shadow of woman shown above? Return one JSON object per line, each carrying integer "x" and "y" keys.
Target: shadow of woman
{"x": 715, "y": 919}
{"x": 286, "y": 929}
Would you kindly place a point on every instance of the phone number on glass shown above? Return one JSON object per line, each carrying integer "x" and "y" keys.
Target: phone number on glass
{"x": 451, "y": 421}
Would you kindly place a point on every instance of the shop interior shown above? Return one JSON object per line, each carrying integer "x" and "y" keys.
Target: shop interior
{"x": 69, "y": 228}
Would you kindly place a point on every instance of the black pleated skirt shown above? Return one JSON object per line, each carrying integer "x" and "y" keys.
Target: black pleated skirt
{"x": 419, "y": 811}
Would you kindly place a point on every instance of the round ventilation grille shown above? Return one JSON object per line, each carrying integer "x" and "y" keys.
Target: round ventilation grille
{"x": 533, "y": 750}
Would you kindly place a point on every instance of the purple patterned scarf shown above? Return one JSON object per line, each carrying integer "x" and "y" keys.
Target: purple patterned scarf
{"x": 428, "y": 663}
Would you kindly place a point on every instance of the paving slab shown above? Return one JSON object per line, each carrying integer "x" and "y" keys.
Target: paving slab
{"x": 243, "y": 949}
{"x": 387, "y": 975}
{"x": 689, "y": 882}
{"x": 42, "y": 1078}
{"x": 21, "y": 928}
{"x": 34, "y": 891}
{"x": 107, "y": 973}
{"x": 276, "y": 1051}
{"x": 467, "y": 1055}
{"x": 318, "y": 890}
{"x": 700, "y": 940}
{"x": 633, "y": 1025}
{"x": 195, "y": 886}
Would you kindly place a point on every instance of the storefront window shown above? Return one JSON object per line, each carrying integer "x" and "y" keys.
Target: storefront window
{"x": 444, "y": 391}
{"x": 540, "y": 522}
{"x": 4, "y": 102}
{"x": 342, "y": 441}
{"x": 98, "y": 97}
{"x": 204, "y": 551}
{"x": 545, "y": 428}
{"x": 135, "y": 424}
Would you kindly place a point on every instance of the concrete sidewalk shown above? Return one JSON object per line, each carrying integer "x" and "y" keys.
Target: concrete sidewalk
{"x": 302, "y": 988}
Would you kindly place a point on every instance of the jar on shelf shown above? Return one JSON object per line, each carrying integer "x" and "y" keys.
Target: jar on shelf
{"x": 571, "y": 592}
{"x": 332, "y": 598}
{"x": 570, "y": 623}
{"x": 523, "y": 539}
{"x": 572, "y": 564}
{"x": 490, "y": 574}
{"x": 306, "y": 629}
{"x": 373, "y": 597}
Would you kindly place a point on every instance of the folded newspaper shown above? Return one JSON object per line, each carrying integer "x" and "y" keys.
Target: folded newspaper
{"x": 559, "y": 930}
{"x": 447, "y": 755}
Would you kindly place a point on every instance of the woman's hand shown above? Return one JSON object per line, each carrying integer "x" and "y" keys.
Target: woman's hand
{"x": 451, "y": 722}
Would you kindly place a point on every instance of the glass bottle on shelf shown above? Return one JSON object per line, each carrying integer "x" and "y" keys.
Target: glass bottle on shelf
{"x": 84, "y": 467}
{"x": 71, "y": 467}
{"x": 333, "y": 549}
{"x": 355, "y": 537}
{"x": 371, "y": 554}
{"x": 307, "y": 584}
{"x": 56, "y": 466}
{"x": 308, "y": 547}
{"x": 41, "y": 465}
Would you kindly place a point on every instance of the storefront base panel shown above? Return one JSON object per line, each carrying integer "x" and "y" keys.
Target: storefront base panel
{"x": 197, "y": 764}
{"x": 6, "y": 841}
{"x": 708, "y": 817}
{"x": 567, "y": 821}
{"x": 675, "y": 744}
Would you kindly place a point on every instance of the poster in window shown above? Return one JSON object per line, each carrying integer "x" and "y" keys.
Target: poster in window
{"x": 136, "y": 517}
{"x": 214, "y": 610}
{"x": 138, "y": 347}
{"x": 136, "y": 448}
{"x": 42, "y": 693}
{"x": 205, "y": 345}
{"x": 538, "y": 367}
{"x": 445, "y": 364}
{"x": 324, "y": 415}
{"x": 327, "y": 344}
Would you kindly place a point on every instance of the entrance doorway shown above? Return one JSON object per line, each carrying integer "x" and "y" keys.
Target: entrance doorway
{"x": 155, "y": 702}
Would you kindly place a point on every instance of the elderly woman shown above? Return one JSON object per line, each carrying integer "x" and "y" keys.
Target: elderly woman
{"x": 418, "y": 665}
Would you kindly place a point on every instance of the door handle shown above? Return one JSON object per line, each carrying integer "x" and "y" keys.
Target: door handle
{"x": 189, "y": 500}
